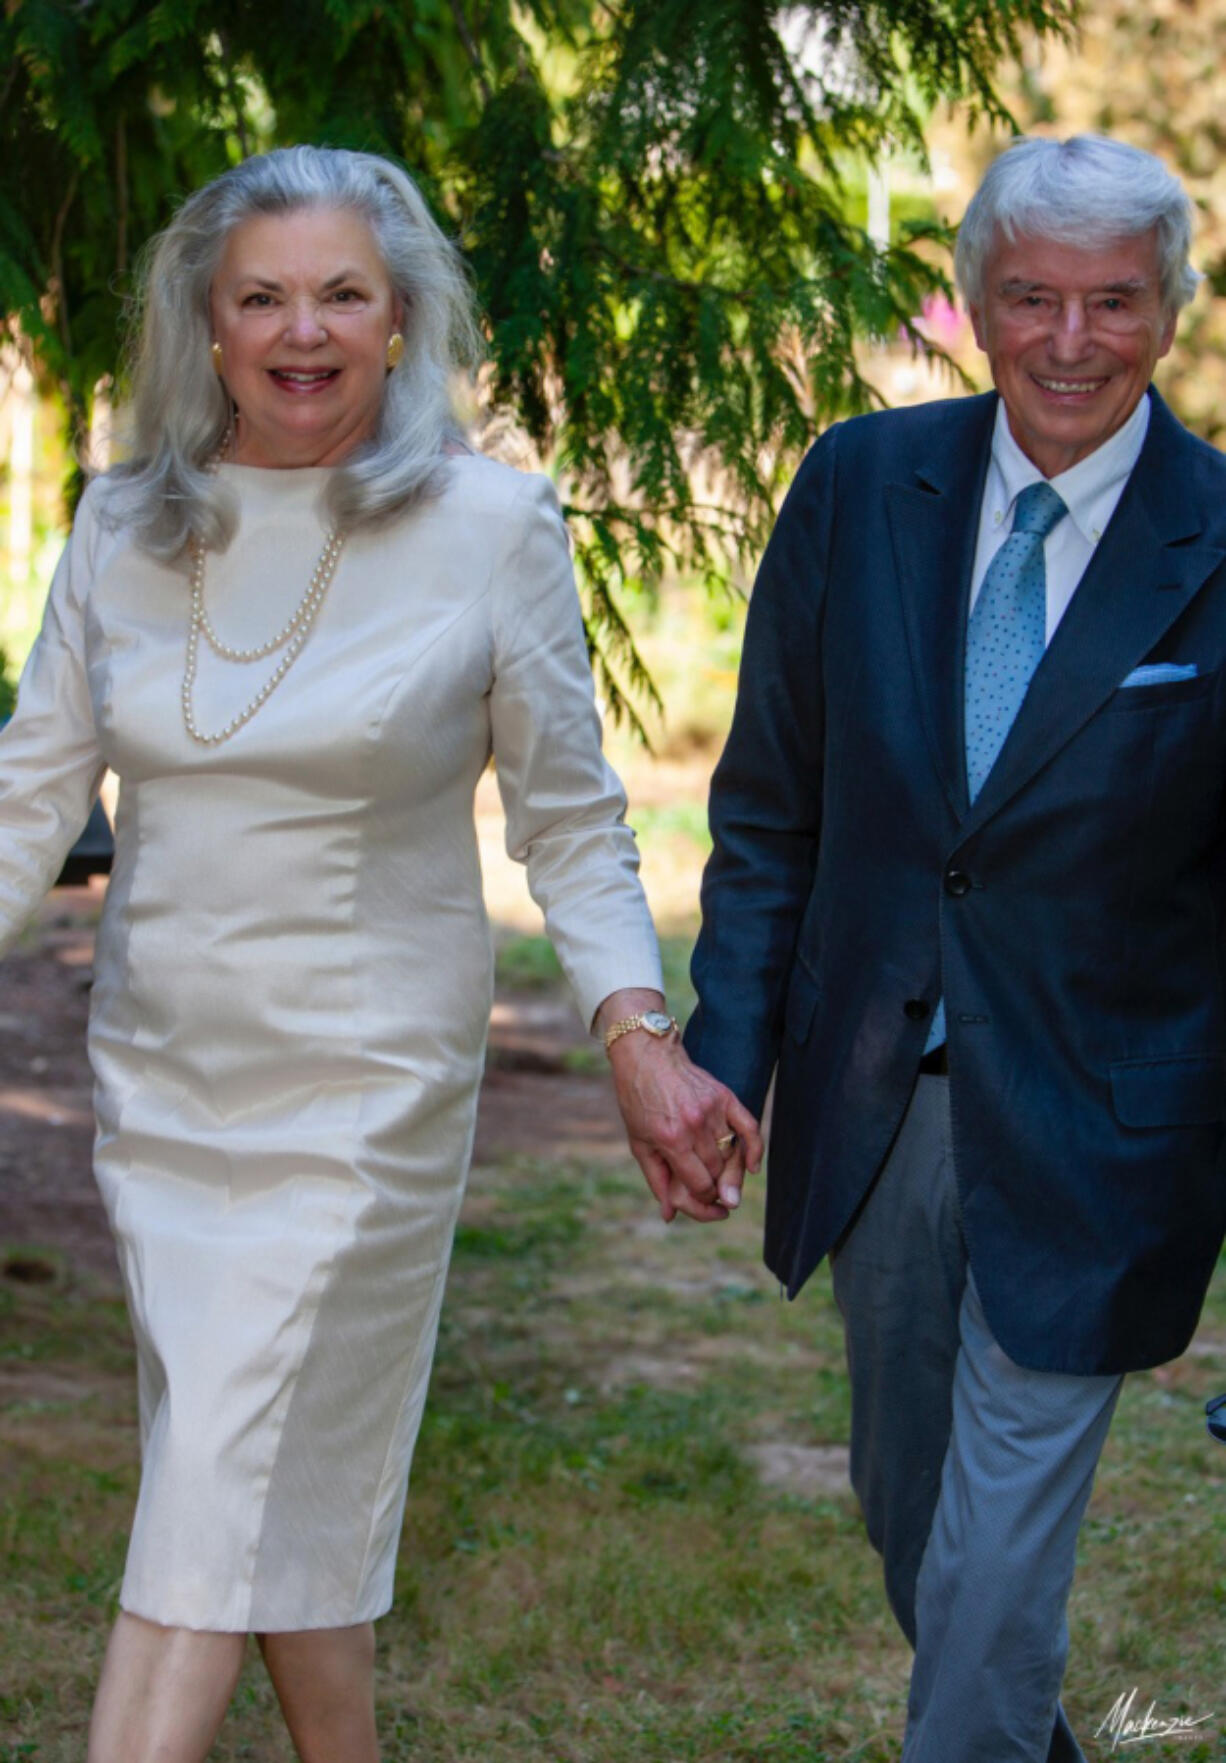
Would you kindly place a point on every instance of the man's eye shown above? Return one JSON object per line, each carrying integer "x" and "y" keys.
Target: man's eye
{"x": 346, "y": 294}
{"x": 258, "y": 300}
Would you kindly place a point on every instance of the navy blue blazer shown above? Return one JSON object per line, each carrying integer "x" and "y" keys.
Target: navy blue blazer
{"x": 1073, "y": 917}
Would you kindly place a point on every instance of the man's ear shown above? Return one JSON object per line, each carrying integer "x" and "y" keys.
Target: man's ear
{"x": 1167, "y": 337}
{"x": 976, "y": 317}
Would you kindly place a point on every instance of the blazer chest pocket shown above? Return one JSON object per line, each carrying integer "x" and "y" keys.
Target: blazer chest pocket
{"x": 803, "y": 993}
{"x": 1159, "y": 692}
{"x": 1169, "y": 1092}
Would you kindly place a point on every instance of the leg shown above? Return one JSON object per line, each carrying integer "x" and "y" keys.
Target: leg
{"x": 325, "y": 1683}
{"x": 898, "y": 1281}
{"x": 995, "y": 1578}
{"x": 163, "y": 1693}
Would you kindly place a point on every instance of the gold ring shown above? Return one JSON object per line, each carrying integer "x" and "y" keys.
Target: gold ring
{"x": 726, "y": 1142}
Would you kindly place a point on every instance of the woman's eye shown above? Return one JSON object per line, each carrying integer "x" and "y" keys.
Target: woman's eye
{"x": 258, "y": 300}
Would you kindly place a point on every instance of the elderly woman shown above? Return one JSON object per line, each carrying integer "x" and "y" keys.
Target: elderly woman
{"x": 296, "y": 624}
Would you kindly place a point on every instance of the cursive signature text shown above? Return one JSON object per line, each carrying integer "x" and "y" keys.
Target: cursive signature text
{"x": 1125, "y": 1726}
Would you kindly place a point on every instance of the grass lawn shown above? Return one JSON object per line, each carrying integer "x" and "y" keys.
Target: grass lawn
{"x": 594, "y": 1567}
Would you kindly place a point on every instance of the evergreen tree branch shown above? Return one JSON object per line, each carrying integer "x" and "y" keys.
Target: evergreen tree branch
{"x": 653, "y": 196}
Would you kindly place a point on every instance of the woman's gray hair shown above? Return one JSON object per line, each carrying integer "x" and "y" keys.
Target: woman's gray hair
{"x": 1087, "y": 190}
{"x": 180, "y": 411}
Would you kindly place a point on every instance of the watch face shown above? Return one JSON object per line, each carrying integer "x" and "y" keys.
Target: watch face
{"x": 656, "y": 1023}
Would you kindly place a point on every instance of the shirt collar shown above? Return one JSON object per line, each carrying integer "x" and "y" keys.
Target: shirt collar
{"x": 1091, "y": 488}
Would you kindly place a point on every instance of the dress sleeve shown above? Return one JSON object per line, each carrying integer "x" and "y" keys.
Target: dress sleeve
{"x": 50, "y": 764}
{"x": 564, "y": 804}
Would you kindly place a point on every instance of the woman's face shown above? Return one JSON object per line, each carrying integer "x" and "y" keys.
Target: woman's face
{"x": 302, "y": 307}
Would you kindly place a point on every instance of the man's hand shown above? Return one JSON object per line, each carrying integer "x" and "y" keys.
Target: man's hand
{"x": 676, "y": 1116}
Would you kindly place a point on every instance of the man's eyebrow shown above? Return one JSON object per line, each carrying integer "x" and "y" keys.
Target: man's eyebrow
{"x": 1125, "y": 285}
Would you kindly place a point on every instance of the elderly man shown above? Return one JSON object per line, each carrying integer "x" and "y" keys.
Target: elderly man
{"x": 966, "y": 899}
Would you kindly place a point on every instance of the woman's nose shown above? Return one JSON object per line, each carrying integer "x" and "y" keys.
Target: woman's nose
{"x": 304, "y": 326}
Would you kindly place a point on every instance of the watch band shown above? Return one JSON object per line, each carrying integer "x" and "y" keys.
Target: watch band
{"x": 629, "y": 1023}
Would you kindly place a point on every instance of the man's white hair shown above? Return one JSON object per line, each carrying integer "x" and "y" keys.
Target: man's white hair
{"x": 1087, "y": 191}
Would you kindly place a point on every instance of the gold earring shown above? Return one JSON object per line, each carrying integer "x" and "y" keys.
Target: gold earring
{"x": 395, "y": 350}
{"x": 215, "y": 352}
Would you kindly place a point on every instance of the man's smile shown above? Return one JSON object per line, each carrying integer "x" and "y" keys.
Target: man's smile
{"x": 1066, "y": 387}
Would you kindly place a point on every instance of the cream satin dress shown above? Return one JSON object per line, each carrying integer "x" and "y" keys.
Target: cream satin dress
{"x": 292, "y": 988}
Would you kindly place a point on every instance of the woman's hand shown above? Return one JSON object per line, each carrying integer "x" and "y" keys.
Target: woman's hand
{"x": 678, "y": 1118}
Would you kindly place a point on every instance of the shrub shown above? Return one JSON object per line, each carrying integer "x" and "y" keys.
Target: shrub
{"x": 8, "y": 688}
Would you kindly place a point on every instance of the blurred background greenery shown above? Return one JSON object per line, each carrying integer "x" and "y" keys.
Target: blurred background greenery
{"x": 682, "y": 221}
{"x": 699, "y": 232}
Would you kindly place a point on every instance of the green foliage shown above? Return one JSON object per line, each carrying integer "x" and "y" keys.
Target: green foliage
{"x": 8, "y": 688}
{"x": 648, "y": 192}
{"x": 529, "y": 964}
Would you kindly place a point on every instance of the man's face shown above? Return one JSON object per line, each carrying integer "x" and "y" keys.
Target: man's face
{"x": 1072, "y": 335}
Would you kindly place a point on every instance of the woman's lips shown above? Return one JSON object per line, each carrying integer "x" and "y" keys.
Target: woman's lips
{"x": 303, "y": 381}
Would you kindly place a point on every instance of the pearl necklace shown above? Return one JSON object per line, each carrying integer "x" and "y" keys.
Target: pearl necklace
{"x": 291, "y": 637}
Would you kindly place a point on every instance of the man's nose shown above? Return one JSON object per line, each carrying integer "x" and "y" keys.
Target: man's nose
{"x": 1070, "y": 334}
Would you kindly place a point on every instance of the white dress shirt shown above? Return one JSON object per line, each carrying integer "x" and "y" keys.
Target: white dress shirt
{"x": 1089, "y": 490}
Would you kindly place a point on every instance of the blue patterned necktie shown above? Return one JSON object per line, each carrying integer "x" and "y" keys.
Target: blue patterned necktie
{"x": 1005, "y": 639}
{"x": 1007, "y": 631}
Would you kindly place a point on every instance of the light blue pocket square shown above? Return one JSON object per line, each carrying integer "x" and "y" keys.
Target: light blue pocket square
{"x": 1160, "y": 673}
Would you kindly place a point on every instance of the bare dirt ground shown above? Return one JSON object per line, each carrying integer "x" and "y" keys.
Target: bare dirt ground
{"x": 48, "y": 1200}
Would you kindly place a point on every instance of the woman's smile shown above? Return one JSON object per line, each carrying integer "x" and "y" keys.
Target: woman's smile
{"x": 298, "y": 379}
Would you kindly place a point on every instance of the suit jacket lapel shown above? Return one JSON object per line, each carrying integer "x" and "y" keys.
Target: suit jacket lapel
{"x": 934, "y": 525}
{"x": 1144, "y": 572}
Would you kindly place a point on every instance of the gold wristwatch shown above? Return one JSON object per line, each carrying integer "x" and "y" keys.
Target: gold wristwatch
{"x": 655, "y": 1022}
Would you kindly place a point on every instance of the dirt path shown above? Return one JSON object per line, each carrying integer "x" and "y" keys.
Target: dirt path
{"x": 531, "y": 1104}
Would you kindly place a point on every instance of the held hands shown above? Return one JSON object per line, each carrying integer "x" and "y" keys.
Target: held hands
{"x": 676, "y": 1116}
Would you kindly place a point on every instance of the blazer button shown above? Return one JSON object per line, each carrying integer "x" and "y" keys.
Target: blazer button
{"x": 957, "y": 883}
{"x": 915, "y": 1009}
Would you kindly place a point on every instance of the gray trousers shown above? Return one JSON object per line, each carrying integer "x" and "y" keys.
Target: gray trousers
{"x": 973, "y": 1474}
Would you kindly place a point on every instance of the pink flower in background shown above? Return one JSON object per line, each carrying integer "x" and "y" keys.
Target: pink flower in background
{"x": 942, "y": 320}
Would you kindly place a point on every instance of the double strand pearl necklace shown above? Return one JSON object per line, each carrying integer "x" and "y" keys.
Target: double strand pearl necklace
{"x": 291, "y": 638}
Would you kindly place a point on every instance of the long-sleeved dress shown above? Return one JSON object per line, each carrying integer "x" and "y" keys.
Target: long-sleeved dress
{"x": 292, "y": 988}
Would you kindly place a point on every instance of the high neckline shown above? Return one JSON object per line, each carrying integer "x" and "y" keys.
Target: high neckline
{"x": 292, "y": 492}
{"x": 272, "y": 474}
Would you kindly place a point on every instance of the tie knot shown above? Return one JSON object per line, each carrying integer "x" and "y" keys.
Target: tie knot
{"x": 1038, "y": 509}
